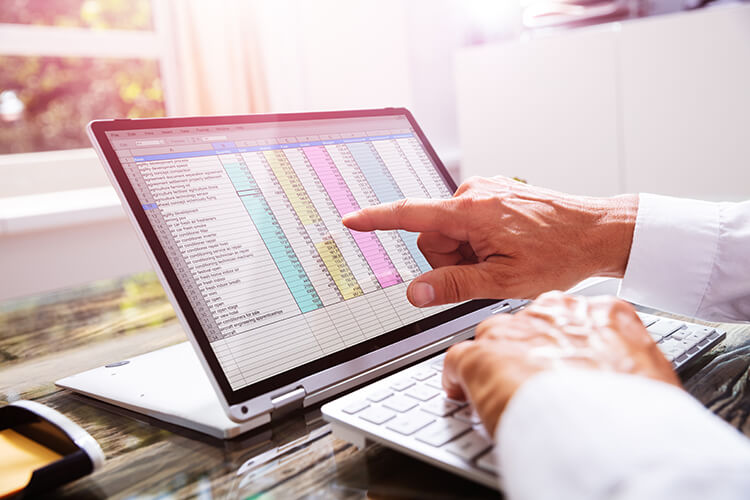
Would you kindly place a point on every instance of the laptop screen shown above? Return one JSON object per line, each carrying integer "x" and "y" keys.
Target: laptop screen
{"x": 249, "y": 217}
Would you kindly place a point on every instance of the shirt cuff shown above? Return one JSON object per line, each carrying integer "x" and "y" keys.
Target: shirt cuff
{"x": 673, "y": 252}
{"x": 581, "y": 434}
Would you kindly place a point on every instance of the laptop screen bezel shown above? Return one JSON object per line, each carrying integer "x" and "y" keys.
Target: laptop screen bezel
{"x": 232, "y": 396}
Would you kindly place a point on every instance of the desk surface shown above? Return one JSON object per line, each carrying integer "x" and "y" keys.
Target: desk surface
{"x": 50, "y": 336}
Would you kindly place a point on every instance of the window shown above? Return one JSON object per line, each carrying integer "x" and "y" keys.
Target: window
{"x": 66, "y": 62}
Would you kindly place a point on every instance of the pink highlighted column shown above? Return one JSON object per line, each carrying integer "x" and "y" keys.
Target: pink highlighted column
{"x": 344, "y": 201}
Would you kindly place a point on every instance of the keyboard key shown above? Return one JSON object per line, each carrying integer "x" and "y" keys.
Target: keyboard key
{"x": 488, "y": 461}
{"x": 671, "y": 348}
{"x": 693, "y": 337}
{"x": 423, "y": 374}
{"x": 443, "y": 431}
{"x": 665, "y": 326}
{"x": 440, "y": 407}
{"x": 422, "y": 393}
{"x": 377, "y": 415}
{"x": 402, "y": 384}
{"x": 410, "y": 423}
{"x": 468, "y": 446}
{"x": 656, "y": 336}
{"x": 435, "y": 383}
{"x": 678, "y": 335}
{"x": 468, "y": 415}
{"x": 380, "y": 395}
{"x": 400, "y": 403}
{"x": 438, "y": 364}
{"x": 356, "y": 407}
{"x": 647, "y": 319}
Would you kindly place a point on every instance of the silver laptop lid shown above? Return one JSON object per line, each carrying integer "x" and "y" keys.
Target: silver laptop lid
{"x": 242, "y": 218}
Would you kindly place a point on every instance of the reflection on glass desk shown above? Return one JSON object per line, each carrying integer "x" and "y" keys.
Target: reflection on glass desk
{"x": 49, "y": 336}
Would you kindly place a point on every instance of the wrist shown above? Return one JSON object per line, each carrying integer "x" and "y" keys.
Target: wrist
{"x": 612, "y": 234}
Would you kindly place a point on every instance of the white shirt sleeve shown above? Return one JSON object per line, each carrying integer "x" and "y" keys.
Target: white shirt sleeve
{"x": 585, "y": 435}
{"x": 690, "y": 257}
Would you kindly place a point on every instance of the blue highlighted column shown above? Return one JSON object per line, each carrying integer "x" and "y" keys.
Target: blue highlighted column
{"x": 385, "y": 190}
{"x": 273, "y": 236}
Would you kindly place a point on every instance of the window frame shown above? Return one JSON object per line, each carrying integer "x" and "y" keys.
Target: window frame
{"x": 57, "y": 41}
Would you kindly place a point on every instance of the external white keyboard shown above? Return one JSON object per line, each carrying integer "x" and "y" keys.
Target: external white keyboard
{"x": 410, "y": 412}
{"x": 680, "y": 341}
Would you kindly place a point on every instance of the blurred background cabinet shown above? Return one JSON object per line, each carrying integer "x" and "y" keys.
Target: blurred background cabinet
{"x": 658, "y": 104}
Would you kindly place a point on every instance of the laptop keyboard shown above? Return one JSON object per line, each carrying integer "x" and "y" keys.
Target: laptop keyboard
{"x": 410, "y": 411}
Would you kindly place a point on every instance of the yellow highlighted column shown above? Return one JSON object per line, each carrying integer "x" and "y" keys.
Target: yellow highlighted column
{"x": 338, "y": 269}
{"x": 292, "y": 187}
{"x": 329, "y": 251}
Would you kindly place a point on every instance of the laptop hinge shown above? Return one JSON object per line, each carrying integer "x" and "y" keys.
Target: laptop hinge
{"x": 288, "y": 402}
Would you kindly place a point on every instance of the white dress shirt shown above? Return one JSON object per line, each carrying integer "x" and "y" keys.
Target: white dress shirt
{"x": 691, "y": 257}
{"x": 591, "y": 435}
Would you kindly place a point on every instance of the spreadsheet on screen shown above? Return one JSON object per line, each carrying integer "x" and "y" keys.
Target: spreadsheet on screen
{"x": 250, "y": 219}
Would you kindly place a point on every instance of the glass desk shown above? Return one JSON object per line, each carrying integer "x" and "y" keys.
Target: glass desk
{"x": 46, "y": 337}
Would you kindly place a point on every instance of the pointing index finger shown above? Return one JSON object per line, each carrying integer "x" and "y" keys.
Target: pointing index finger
{"x": 410, "y": 214}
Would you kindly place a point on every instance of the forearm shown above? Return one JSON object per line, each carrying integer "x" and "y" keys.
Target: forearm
{"x": 611, "y": 233}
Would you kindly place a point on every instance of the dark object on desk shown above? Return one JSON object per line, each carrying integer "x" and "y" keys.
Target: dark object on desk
{"x": 41, "y": 450}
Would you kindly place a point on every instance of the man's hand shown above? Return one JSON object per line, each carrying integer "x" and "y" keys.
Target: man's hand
{"x": 499, "y": 238}
{"x": 556, "y": 332}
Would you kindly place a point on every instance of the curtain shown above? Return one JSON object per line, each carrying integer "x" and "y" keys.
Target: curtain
{"x": 215, "y": 59}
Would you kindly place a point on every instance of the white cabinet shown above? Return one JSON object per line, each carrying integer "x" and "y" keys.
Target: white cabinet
{"x": 659, "y": 104}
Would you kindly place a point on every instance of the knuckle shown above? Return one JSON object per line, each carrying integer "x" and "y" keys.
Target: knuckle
{"x": 421, "y": 242}
{"x": 463, "y": 204}
{"x": 550, "y": 297}
{"x": 469, "y": 359}
{"x": 453, "y": 285}
{"x": 493, "y": 327}
{"x": 620, "y": 306}
{"x": 398, "y": 208}
{"x": 473, "y": 180}
{"x": 400, "y": 205}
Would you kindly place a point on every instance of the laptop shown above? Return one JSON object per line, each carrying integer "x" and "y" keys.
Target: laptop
{"x": 283, "y": 306}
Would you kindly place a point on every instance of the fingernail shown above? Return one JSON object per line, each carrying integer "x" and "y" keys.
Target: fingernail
{"x": 421, "y": 293}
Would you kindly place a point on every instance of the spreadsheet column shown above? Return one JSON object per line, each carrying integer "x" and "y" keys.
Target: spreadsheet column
{"x": 381, "y": 266}
{"x": 272, "y": 233}
{"x": 217, "y": 241}
{"x": 357, "y": 183}
{"x": 424, "y": 168}
{"x": 386, "y": 190}
{"x": 406, "y": 179}
{"x": 318, "y": 320}
{"x": 346, "y": 284}
{"x": 292, "y": 226}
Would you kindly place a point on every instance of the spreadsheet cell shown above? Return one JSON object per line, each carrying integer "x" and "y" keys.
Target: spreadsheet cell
{"x": 410, "y": 185}
{"x": 253, "y": 229}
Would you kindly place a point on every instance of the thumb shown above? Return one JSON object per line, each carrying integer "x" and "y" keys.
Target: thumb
{"x": 448, "y": 284}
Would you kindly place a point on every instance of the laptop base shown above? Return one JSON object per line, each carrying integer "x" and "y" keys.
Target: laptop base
{"x": 168, "y": 384}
